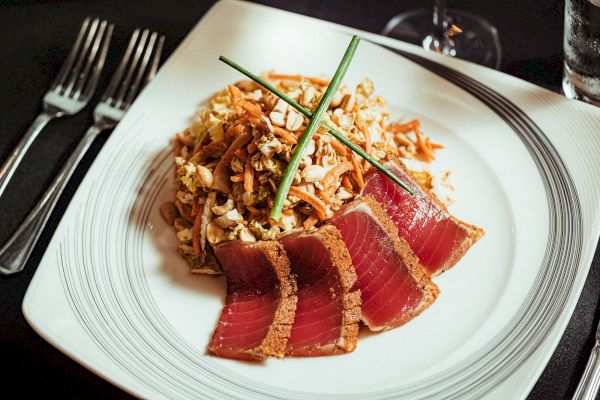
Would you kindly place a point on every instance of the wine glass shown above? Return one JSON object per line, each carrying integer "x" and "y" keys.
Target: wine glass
{"x": 447, "y": 31}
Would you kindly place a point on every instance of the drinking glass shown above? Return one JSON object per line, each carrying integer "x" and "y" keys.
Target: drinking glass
{"x": 448, "y": 31}
{"x": 581, "y": 73}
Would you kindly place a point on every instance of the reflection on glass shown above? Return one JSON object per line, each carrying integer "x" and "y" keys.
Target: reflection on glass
{"x": 452, "y": 32}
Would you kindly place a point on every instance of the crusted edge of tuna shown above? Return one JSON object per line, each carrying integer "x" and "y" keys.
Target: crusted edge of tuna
{"x": 340, "y": 259}
{"x": 275, "y": 341}
{"x": 279, "y": 332}
{"x": 417, "y": 271}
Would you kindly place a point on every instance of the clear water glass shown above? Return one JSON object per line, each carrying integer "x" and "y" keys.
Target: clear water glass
{"x": 581, "y": 74}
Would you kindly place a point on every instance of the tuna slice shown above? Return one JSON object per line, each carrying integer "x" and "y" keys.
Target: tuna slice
{"x": 394, "y": 286}
{"x": 436, "y": 237}
{"x": 328, "y": 310}
{"x": 261, "y": 300}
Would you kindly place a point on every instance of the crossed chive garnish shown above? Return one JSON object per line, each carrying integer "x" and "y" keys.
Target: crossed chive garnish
{"x": 315, "y": 121}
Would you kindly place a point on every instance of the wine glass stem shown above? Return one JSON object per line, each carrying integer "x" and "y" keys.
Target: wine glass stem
{"x": 439, "y": 20}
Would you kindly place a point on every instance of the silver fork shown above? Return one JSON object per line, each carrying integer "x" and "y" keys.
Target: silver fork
{"x": 590, "y": 380}
{"x": 71, "y": 90}
{"x": 138, "y": 67}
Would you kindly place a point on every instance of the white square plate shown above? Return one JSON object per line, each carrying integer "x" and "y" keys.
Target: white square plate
{"x": 112, "y": 293}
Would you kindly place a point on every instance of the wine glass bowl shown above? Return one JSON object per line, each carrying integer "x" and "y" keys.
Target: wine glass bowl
{"x": 458, "y": 34}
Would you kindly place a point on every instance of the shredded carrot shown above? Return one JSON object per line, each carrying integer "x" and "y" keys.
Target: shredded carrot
{"x": 237, "y": 178}
{"x": 357, "y": 175}
{"x": 310, "y": 221}
{"x": 340, "y": 148}
{"x": 405, "y": 128}
{"x": 287, "y": 212}
{"x": 354, "y": 161}
{"x": 253, "y": 210}
{"x": 236, "y": 130}
{"x": 236, "y": 95}
{"x": 365, "y": 130}
{"x": 255, "y": 121}
{"x": 435, "y": 146}
{"x": 422, "y": 145}
{"x": 358, "y": 178}
{"x": 252, "y": 109}
{"x": 300, "y": 132}
{"x": 311, "y": 199}
{"x": 404, "y": 141}
{"x": 420, "y": 142}
{"x": 347, "y": 184}
{"x": 287, "y": 137}
{"x": 331, "y": 177}
{"x": 248, "y": 176}
{"x": 335, "y": 173}
{"x": 432, "y": 146}
{"x": 270, "y": 201}
{"x": 316, "y": 81}
{"x": 195, "y": 206}
{"x": 220, "y": 175}
{"x": 196, "y": 233}
{"x": 252, "y": 148}
{"x": 414, "y": 124}
{"x": 325, "y": 197}
{"x": 428, "y": 144}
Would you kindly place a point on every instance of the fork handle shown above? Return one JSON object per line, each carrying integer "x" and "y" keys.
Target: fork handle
{"x": 15, "y": 253}
{"x": 590, "y": 381}
{"x": 9, "y": 167}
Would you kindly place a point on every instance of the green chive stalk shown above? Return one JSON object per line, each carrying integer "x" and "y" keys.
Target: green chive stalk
{"x": 357, "y": 149}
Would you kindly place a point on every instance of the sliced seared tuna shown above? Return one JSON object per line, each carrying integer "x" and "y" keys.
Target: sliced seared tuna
{"x": 328, "y": 309}
{"x": 394, "y": 286}
{"x": 436, "y": 237}
{"x": 261, "y": 300}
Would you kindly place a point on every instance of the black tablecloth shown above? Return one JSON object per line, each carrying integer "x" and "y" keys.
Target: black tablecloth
{"x": 34, "y": 39}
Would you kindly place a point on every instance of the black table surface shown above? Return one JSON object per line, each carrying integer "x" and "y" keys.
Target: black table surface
{"x": 34, "y": 40}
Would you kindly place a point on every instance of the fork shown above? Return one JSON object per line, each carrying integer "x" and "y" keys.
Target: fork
{"x": 590, "y": 380}
{"x": 138, "y": 67}
{"x": 71, "y": 90}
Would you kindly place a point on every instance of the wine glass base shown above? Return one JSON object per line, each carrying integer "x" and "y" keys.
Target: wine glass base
{"x": 478, "y": 42}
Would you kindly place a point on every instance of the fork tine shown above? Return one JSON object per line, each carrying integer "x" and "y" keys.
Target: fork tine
{"x": 155, "y": 61}
{"x": 82, "y": 78}
{"x": 136, "y": 57}
{"x": 75, "y": 70}
{"x": 133, "y": 89}
{"x": 66, "y": 67}
{"x": 114, "y": 82}
{"x": 99, "y": 65}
